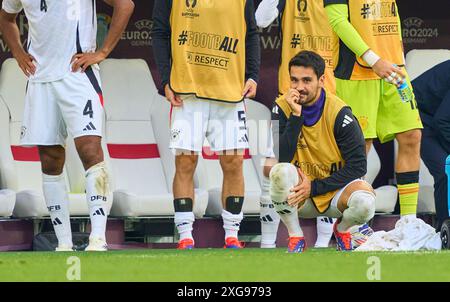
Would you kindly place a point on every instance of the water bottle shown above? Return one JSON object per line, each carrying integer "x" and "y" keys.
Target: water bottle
{"x": 447, "y": 171}
{"x": 405, "y": 92}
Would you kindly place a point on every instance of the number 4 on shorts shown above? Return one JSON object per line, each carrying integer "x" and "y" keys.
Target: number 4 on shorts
{"x": 43, "y": 6}
{"x": 88, "y": 109}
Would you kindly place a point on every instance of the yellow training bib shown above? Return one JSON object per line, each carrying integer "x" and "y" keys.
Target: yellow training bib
{"x": 208, "y": 48}
{"x": 377, "y": 22}
{"x": 305, "y": 26}
{"x": 318, "y": 154}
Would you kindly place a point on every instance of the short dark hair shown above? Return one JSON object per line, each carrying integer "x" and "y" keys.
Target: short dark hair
{"x": 311, "y": 59}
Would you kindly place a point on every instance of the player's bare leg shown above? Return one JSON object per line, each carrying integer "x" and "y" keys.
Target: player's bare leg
{"x": 369, "y": 143}
{"x": 97, "y": 188}
{"x": 407, "y": 170}
{"x": 232, "y": 196}
{"x": 183, "y": 192}
{"x": 55, "y": 193}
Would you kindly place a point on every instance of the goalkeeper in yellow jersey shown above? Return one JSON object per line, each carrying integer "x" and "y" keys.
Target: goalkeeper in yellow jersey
{"x": 369, "y": 71}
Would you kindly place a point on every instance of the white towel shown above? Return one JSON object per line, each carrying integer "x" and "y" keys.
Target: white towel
{"x": 409, "y": 234}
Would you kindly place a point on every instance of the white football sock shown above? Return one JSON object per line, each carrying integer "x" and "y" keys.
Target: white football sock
{"x": 183, "y": 222}
{"x": 97, "y": 191}
{"x": 231, "y": 223}
{"x": 361, "y": 208}
{"x": 283, "y": 177}
{"x": 269, "y": 218}
{"x": 324, "y": 231}
{"x": 57, "y": 200}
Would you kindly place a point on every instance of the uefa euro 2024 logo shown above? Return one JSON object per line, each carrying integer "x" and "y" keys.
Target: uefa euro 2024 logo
{"x": 191, "y": 3}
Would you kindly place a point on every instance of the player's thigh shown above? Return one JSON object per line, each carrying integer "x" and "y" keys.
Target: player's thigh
{"x": 309, "y": 210}
{"x": 395, "y": 116}
{"x": 363, "y": 97}
{"x": 81, "y": 103}
{"x": 227, "y": 126}
{"x": 188, "y": 124}
{"x": 43, "y": 122}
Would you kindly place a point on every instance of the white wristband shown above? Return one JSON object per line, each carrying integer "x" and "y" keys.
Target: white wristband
{"x": 370, "y": 57}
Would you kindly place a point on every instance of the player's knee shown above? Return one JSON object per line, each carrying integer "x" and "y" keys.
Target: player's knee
{"x": 231, "y": 164}
{"x": 283, "y": 176}
{"x": 361, "y": 206}
{"x": 410, "y": 138}
{"x": 52, "y": 160}
{"x": 90, "y": 154}
{"x": 185, "y": 165}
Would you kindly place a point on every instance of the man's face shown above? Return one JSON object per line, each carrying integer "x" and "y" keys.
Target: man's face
{"x": 305, "y": 81}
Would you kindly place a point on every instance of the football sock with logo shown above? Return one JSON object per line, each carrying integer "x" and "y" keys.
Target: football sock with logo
{"x": 57, "y": 200}
{"x": 97, "y": 191}
{"x": 184, "y": 217}
{"x": 408, "y": 189}
{"x": 324, "y": 231}
{"x": 269, "y": 218}
{"x": 283, "y": 177}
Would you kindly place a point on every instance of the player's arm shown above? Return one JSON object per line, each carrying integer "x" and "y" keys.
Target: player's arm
{"x": 350, "y": 141}
{"x": 122, "y": 10}
{"x": 252, "y": 52}
{"x": 268, "y": 11}
{"x": 11, "y": 35}
{"x": 161, "y": 33}
{"x": 288, "y": 133}
{"x": 337, "y": 12}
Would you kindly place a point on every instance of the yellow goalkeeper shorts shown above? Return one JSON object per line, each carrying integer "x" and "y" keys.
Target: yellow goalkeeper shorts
{"x": 378, "y": 108}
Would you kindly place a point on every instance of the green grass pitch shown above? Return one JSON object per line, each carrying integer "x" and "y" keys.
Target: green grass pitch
{"x": 226, "y": 265}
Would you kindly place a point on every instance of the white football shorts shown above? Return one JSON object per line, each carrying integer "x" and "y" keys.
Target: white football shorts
{"x": 222, "y": 124}
{"x": 71, "y": 105}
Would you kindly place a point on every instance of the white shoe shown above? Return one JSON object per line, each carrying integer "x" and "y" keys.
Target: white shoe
{"x": 64, "y": 248}
{"x": 97, "y": 244}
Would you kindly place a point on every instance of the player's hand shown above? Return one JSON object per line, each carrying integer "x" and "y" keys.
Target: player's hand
{"x": 301, "y": 192}
{"x": 292, "y": 98}
{"x": 174, "y": 99}
{"x": 389, "y": 72}
{"x": 84, "y": 60}
{"x": 25, "y": 61}
{"x": 250, "y": 89}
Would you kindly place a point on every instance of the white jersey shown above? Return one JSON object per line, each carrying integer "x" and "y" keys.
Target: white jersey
{"x": 58, "y": 29}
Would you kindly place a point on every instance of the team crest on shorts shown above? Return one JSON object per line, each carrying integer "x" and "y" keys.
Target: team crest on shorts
{"x": 175, "y": 135}
{"x": 23, "y": 131}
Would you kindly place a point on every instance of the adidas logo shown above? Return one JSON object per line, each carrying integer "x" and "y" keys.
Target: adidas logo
{"x": 286, "y": 211}
{"x": 347, "y": 120}
{"x": 56, "y": 221}
{"x": 99, "y": 212}
{"x": 265, "y": 205}
{"x": 266, "y": 218}
{"x": 90, "y": 126}
{"x": 244, "y": 139}
{"x": 327, "y": 220}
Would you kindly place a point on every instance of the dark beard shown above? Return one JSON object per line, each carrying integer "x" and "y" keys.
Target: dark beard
{"x": 309, "y": 100}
